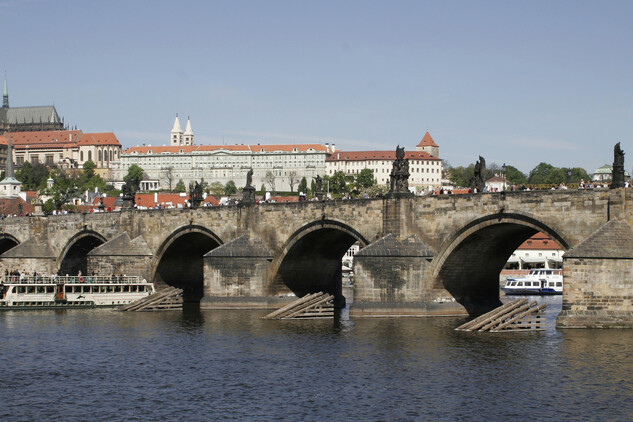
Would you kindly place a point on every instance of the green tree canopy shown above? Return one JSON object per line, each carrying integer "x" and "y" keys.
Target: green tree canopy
{"x": 64, "y": 188}
{"x": 134, "y": 175}
{"x": 180, "y": 187}
{"x": 32, "y": 176}
{"x": 230, "y": 188}
{"x": 365, "y": 179}
{"x": 460, "y": 176}
{"x": 515, "y": 176}
{"x": 303, "y": 185}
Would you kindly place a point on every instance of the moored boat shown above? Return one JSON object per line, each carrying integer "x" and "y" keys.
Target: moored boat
{"x": 53, "y": 292}
{"x": 537, "y": 282}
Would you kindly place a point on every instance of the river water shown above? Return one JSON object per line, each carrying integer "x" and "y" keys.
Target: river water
{"x": 231, "y": 365}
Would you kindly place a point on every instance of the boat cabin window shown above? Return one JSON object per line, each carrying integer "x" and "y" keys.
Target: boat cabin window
{"x": 520, "y": 283}
{"x": 30, "y": 289}
{"x": 41, "y": 289}
{"x": 86, "y": 289}
{"x": 117, "y": 289}
{"x": 126, "y": 289}
{"x": 559, "y": 284}
{"x": 50, "y": 289}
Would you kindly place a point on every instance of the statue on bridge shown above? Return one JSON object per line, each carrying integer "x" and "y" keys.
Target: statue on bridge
{"x": 195, "y": 195}
{"x": 617, "y": 175}
{"x": 248, "y": 192}
{"x": 478, "y": 181}
{"x": 399, "y": 177}
{"x": 129, "y": 193}
{"x": 318, "y": 187}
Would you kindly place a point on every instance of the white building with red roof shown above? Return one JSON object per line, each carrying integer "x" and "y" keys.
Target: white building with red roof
{"x": 277, "y": 167}
{"x": 65, "y": 148}
{"x": 425, "y": 169}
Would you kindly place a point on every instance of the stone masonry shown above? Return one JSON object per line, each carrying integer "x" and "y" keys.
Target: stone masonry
{"x": 427, "y": 251}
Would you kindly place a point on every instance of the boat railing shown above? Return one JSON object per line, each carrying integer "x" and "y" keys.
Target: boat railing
{"x": 52, "y": 279}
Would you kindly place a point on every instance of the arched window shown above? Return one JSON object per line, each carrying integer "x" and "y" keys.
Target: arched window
{"x": 100, "y": 156}
{"x": 111, "y": 155}
{"x": 81, "y": 156}
{"x": 90, "y": 155}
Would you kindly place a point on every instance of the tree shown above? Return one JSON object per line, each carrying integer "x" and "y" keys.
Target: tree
{"x": 546, "y": 174}
{"x": 293, "y": 179}
{"x": 230, "y": 188}
{"x": 303, "y": 186}
{"x": 460, "y": 176}
{"x": 312, "y": 187}
{"x": 216, "y": 189}
{"x": 89, "y": 180}
{"x": 32, "y": 176}
{"x": 169, "y": 176}
{"x": 262, "y": 190}
{"x": 64, "y": 188}
{"x": 515, "y": 176}
{"x": 338, "y": 182}
{"x": 365, "y": 179}
{"x": 269, "y": 180}
{"x": 134, "y": 176}
{"x": 180, "y": 187}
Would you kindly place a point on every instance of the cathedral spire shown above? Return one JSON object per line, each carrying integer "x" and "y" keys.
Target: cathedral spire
{"x": 9, "y": 169}
{"x": 5, "y": 96}
{"x": 176, "y": 132}
{"x": 188, "y": 138}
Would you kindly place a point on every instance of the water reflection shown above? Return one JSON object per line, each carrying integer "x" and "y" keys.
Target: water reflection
{"x": 217, "y": 365}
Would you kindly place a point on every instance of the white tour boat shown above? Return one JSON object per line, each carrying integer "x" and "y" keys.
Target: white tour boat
{"x": 537, "y": 282}
{"x": 53, "y": 292}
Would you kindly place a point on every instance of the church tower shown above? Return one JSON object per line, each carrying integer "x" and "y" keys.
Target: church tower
{"x": 188, "y": 138}
{"x": 5, "y": 96}
{"x": 176, "y": 133}
{"x": 10, "y": 187}
{"x": 427, "y": 144}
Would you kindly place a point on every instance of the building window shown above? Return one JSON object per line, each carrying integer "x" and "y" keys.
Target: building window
{"x": 19, "y": 160}
{"x": 35, "y": 159}
{"x": 81, "y": 156}
{"x": 90, "y": 155}
{"x": 100, "y": 156}
{"x": 49, "y": 160}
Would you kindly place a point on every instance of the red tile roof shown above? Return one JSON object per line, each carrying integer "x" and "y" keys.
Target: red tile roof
{"x": 427, "y": 141}
{"x": 44, "y": 139}
{"x": 58, "y": 139}
{"x": 540, "y": 241}
{"x": 173, "y": 149}
{"x": 104, "y": 138}
{"x": 378, "y": 155}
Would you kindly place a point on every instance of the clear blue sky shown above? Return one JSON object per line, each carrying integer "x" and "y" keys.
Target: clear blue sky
{"x": 518, "y": 82}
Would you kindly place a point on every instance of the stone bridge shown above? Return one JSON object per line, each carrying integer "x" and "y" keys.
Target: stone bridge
{"x": 431, "y": 255}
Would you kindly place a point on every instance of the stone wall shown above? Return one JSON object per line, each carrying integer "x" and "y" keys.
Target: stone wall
{"x": 598, "y": 293}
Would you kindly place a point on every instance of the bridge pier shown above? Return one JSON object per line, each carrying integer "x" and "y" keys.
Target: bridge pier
{"x": 235, "y": 277}
{"x": 598, "y": 290}
{"x": 394, "y": 278}
{"x": 121, "y": 255}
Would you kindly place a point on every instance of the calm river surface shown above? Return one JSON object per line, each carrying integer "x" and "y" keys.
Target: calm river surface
{"x": 230, "y": 365}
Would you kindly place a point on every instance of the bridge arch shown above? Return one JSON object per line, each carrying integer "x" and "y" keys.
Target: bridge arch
{"x": 310, "y": 260}
{"x": 7, "y": 241}
{"x": 469, "y": 262}
{"x": 179, "y": 259}
{"x": 74, "y": 256}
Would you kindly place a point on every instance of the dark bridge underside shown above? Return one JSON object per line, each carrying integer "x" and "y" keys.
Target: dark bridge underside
{"x": 471, "y": 272}
{"x": 313, "y": 264}
{"x": 182, "y": 265}
{"x": 6, "y": 244}
{"x": 76, "y": 259}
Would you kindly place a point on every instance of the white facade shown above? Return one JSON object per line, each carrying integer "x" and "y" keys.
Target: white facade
{"x": 177, "y": 135}
{"x": 425, "y": 170}
{"x": 287, "y": 164}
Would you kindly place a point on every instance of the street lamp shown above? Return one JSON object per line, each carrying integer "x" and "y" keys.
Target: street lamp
{"x": 503, "y": 168}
